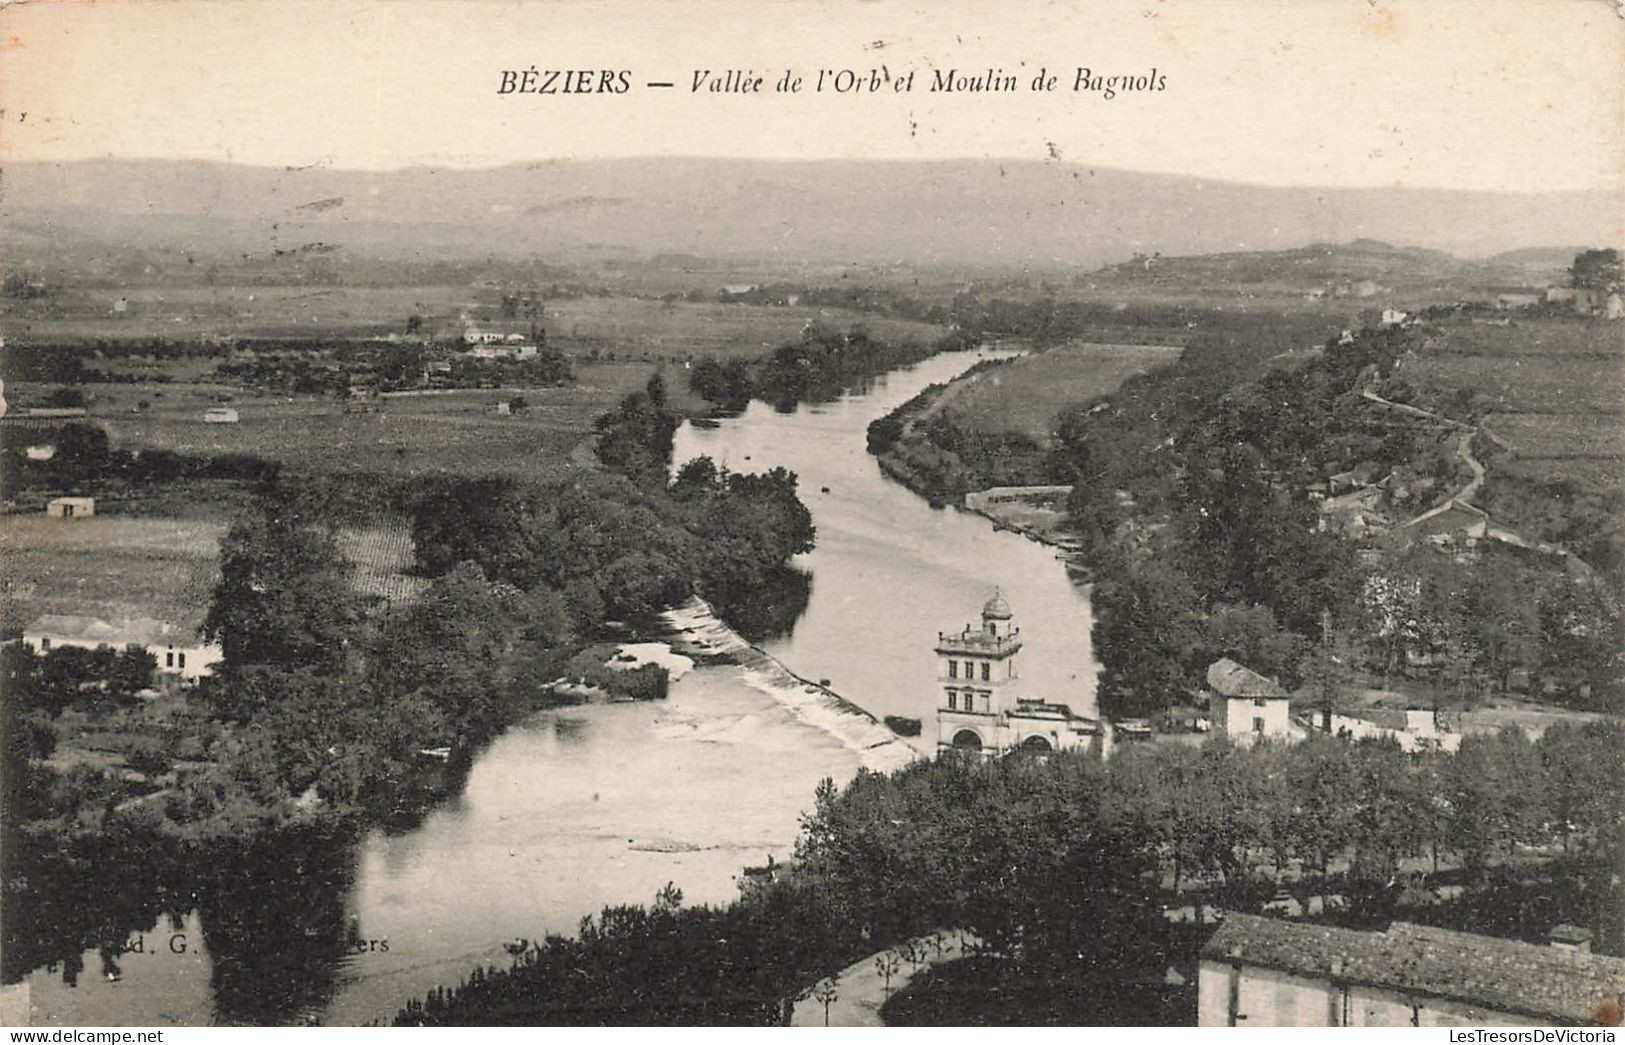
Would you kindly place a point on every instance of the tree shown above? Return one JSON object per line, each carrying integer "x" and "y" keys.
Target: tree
{"x": 1147, "y": 633}
{"x": 284, "y": 598}
{"x": 1596, "y": 270}
{"x": 826, "y": 994}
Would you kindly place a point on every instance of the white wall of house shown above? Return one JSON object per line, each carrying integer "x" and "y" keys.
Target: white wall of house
{"x": 1271, "y": 998}
{"x": 1238, "y": 716}
{"x": 188, "y": 662}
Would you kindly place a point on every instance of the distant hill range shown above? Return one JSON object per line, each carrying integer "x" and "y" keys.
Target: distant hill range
{"x": 975, "y": 213}
{"x": 1361, "y": 268}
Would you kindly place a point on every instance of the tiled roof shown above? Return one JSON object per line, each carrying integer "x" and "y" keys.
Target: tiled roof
{"x": 139, "y": 631}
{"x": 1549, "y": 983}
{"x": 1229, "y": 679}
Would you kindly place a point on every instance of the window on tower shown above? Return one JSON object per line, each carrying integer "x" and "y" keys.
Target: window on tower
{"x": 953, "y": 701}
{"x": 986, "y": 667}
{"x": 953, "y": 669}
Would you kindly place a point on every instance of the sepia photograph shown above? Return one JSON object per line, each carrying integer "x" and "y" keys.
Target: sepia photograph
{"x": 824, "y": 513}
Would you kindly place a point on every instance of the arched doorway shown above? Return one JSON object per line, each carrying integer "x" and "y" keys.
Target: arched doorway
{"x": 967, "y": 740}
{"x": 1036, "y": 745}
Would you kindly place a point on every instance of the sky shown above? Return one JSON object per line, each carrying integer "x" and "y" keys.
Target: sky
{"x": 1476, "y": 94}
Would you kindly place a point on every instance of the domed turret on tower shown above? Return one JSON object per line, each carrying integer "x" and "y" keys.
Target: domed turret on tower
{"x": 996, "y": 608}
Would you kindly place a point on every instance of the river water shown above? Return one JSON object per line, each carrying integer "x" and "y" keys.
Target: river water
{"x": 577, "y": 808}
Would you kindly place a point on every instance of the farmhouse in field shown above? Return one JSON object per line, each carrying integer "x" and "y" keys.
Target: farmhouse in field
{"x": 70, "y": 507}
{"x": 39, "y": 452}
{"x": 181, "y": 652}
{"x": 979, "y": 711}
{"x": 220, "y": 415}
{"x": 1243, "y": 704}
{"x": 1265, "y": 972}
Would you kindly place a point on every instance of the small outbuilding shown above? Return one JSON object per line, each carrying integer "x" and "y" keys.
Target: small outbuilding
{"x": 70, "y": 507}
{"x": 220, "y": 415}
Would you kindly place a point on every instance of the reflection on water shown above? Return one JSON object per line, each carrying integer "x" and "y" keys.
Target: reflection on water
{"x": 582, "y": 807}
{"x": 772, "y": 610}
{"x": 569, "y": 729}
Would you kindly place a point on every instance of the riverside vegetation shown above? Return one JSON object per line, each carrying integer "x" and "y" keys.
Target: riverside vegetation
{"x": 317, "y": 720}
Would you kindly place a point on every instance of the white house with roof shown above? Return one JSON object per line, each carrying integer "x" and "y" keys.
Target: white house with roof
{"x": 1244, "y": 705}
{"x": 179, "y": 651}
{"x": 979, "y": 711}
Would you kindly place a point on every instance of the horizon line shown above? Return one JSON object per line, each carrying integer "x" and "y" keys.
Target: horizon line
{"x": 1025, "y": 161}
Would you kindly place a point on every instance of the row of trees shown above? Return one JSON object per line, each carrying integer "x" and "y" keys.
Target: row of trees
{"x": 821, "y": 364}
{"x": 83, "y": 454}
{"x": 1061, "y": 869}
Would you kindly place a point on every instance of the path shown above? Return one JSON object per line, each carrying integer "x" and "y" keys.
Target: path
{"x": 1580, "y": 569}
{"x": 860, "y": 989}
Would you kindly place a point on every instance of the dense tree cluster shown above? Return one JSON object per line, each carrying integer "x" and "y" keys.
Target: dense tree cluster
{"x": 635, "y": 439}
{"x": 1191, "y": 496}
{"x": 72, "y": 676}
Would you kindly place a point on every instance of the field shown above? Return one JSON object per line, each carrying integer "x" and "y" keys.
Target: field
{"x": 1551, "y": 386}
{"x": 382, "y": 556}
{"x": 676, "y": 330}
{"x": 1525, "y": 382}
{"x": 107, "y": 567}
{"x": 643, "y": 327}
{"x": 1027, "y": 394}
{"x": 119, "y": 567}
{"x": 411, "y": 434}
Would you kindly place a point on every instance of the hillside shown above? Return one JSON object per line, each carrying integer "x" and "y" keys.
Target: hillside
{"x": 960, "y": 212}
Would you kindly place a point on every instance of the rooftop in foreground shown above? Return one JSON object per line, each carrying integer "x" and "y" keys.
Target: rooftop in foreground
{"x": 1548, "y": 983}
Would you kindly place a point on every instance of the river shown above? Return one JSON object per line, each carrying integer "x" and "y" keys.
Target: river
{"x": 577, "y": 808}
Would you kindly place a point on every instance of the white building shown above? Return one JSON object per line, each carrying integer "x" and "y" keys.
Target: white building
{"x": 520, "y": 351}
{"x": 1266, "y": 972}
{"x": 220, "y": 415}
{"x": 979, "y": 710}
{"x": 1413, "y": 729}
{"x": 1245, "y": 705}
{"x": 70, "y": 507}
{"x": 179, "y": 651}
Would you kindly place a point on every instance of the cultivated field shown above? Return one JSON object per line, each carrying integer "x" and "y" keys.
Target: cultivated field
{"x": 383, "y": 559}
{"x": 117, "y": 567}
{"x": 107, "y": 567}
{"x": 677, "y": 330}
{"x": 411, "y": 434}
{"x": 665, "y": 329}
{"x": 1551, "y": 386}
{"x": 1525, "y": 382}
{"x": 1026, "y": 395}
